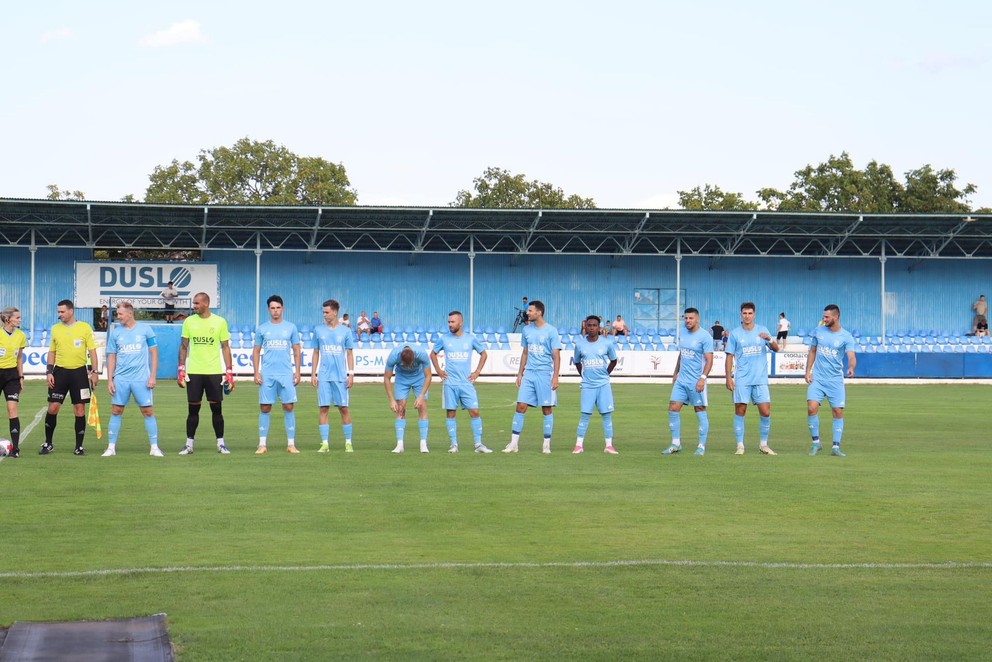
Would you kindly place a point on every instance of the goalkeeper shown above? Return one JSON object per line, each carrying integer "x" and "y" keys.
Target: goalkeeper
{"x": 204, "y": 338}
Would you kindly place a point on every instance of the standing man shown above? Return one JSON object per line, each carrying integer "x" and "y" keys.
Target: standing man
{"x": 281, "y": 365}
{"x": 981, "y": 308}
{"x": 537, "y": 377}
{"x": 595, "y": 358}
{"x": 783, "y": 331}
{"x": 333, "y": 373}
{"x": 825, "y": 376}
{"x": 459, "y": 379}
{"x": 413, "y": 373}
{"x": 169, "y": 296}
{"x": 692, "y": 369}
{"x": 747, "y": 353}
{"x": 717, "y": 331}
{"x": 132, "y": 361}
{"x": 71, "y": 342}
{"x": 12, "y": 344}
{"x": 205, "y": 338}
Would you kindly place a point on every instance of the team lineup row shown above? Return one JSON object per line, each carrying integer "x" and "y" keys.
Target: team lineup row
{"x": 205, "y": 371}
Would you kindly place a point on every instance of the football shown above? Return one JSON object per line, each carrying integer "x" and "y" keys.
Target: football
{"x": 6, "y": 447}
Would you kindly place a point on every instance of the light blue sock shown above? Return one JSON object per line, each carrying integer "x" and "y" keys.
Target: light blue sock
{"x": 400, "y": 428}
{"x": 549, "y": 425}
{"x": 423, "y": 425}
{"x": 517, "y": 426}
{"x": 764, "y": 427}
{"x": 476, "y": 425}
{"x": 838, "y": 430}
{"x": 289, "y": 422}
{"x": 346, "y": 430}
{"x": 114, "y": 428}
{"x": 704, "y": 426}
{"x": 325, "y": 432}
{"x": 452, "y": 426}
{"x": 675, "y": 424}
{"x": 263, "y": 424}
{"x": 608, "y": 425}
{"x": 739, "y": 429}
{"x": 151, "y": 427}
{"x": 583, "y": 425}
{"x": 813, "y": 423}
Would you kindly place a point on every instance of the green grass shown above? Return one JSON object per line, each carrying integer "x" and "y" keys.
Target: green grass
{"x": 913, "y": 491}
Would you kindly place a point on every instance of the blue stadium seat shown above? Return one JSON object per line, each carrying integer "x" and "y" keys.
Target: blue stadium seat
{"x": 503, "y": 338}
{"x": 623, "y": 342}
{"x": 501, "y": 329}
{"x": 376, "y": 338}
{"x": 422, "y": 337}
{"x": 477, "y": 330}
{"x": 431, "y": 330}
{"x": 491, "y": 336}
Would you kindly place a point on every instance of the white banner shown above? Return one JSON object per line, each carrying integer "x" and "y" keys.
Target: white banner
{"x": 791, "y": 364}
{"x": 142, "y": 283}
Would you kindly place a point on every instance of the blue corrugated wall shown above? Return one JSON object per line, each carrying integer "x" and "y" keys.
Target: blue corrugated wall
{"x": 936, "y": 294}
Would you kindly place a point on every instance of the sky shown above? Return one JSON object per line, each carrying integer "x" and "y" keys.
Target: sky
{"x": 624, "y": 102}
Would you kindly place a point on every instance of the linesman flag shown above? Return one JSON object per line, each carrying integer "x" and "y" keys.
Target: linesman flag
{"x": 94, "y": 418}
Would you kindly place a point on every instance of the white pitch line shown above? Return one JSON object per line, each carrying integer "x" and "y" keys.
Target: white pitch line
{"x": 947, "y": 565}
{"x": 33, "y": 424}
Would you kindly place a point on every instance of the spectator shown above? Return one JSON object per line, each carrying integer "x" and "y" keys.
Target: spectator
{"x": 346, "y": 321}
{"x": 364, "y": 326}
{"x": 719, "y": 335}
{"x": 981, "y": 308}
{"x": 982, "y": 328}
{"x": 376, "y": 323}
{"x": 104, "y": 320}
{"x": 619, "y": 327}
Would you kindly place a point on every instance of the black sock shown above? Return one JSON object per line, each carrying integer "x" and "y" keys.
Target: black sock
{"x": 80, "y": 430}
{"x": 15, "y": 432}
{"x": 218, "y": 419}
{"x": 50, "y": 421}
{"x": 192, "y": 421}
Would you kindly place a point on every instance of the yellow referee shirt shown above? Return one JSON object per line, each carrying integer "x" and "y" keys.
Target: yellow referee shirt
{"x": 10, "y": 343}
{"x": 70, "y": 344}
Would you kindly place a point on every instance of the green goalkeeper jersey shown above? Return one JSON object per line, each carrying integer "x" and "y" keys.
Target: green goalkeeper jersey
{"x": 205, "y": 336}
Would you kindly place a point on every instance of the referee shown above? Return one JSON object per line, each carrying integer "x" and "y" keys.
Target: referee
{"x": 12, "y": 344}
{"x": 71, "y": 342}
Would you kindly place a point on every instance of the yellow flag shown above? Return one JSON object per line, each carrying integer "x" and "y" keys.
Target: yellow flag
{"x": 94, "y": 417}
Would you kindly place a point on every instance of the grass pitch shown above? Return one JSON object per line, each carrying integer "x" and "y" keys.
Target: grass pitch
{"x": 882, "y": 555}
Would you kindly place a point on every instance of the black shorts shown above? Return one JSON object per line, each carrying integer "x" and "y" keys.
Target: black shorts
{"x": 170, "y": 306}
{"x": 209, "y": 385}
{"x": 74, "y": 382}
{"x": 782, "y": 335}
{"x": 10, "y": 384}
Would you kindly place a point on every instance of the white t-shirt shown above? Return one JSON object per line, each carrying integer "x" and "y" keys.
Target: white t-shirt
{"x": 784, "y": 325}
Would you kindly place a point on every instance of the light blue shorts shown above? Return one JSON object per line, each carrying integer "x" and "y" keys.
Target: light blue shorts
{"x": 402, "y": 388}
{"x": 758, "y": 394}
{"x": 332, "y": 393}
{"x": 276, "y": 387}
{"x": 536, "y": 391}
{"x": 600, "y": 397}
{"x": 835, "y": 393}
{"x": 687, "y": 394}
{"x": 460, "y": 394}
{"x": 124, "y": 390}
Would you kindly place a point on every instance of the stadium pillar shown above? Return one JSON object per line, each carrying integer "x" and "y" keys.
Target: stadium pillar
{"x": 678, "y": 289}
{"x": 881, "y": 261}
{"x": 33, "y": 249}
{"x": 471, "y": 282}
{"x": 258, "y": 276}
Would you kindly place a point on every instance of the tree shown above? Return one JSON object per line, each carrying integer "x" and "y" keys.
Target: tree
{"x": 54, "y": 193}
{"x": 929, "y": 191}
{"x": 500, "y": 189}
{"x": 251, "y": 173}
{"x": 712, "y": 198}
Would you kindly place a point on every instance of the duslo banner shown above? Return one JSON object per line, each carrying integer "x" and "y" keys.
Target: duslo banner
{"x": 142, "y": 283}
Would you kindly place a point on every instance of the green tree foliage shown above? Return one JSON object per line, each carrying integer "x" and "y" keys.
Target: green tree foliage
{"x": 500, "y": 189}
{"x": 713, "y": 198}
{"x": 251, "y": 173}
{"x": 55, "y": 193}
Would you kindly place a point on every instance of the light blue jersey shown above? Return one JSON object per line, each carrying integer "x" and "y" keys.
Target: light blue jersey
{"x": 595, "y": 358}
{"x": 333, "y": 345}
{"x": 276, "y": 341}
{"x": 540, "y": 343}
{"x": 750, "y": 353}
{"x": 831, "y": 347}
{"x": 457, "y": 352}
{"x": 413, "y": 374}
{"x": 131, "y": 347}
{"x": 693, "y": 348}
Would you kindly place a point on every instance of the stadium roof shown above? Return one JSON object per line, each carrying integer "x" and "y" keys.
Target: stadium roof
{"x": 615, "y": 232}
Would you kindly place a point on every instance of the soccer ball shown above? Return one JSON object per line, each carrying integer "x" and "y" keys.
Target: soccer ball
{"x": 6, "y": 447}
